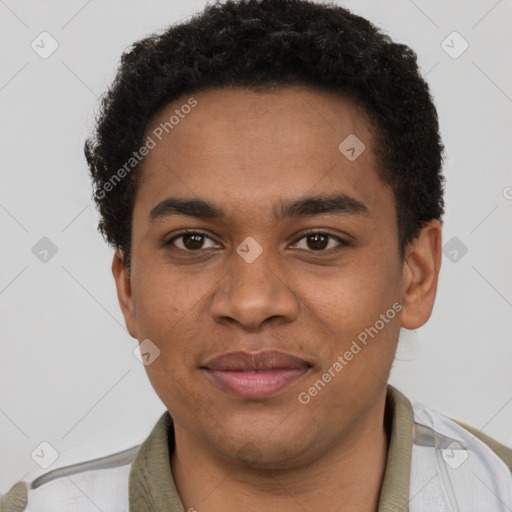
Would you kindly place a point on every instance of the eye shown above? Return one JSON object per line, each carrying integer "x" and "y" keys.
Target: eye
{"x": 315, "y": 241}
{"x": 191, "y": 240}
{"x": 320, "y": 241}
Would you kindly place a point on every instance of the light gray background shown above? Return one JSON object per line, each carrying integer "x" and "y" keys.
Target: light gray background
{"x": 68, "y": 375}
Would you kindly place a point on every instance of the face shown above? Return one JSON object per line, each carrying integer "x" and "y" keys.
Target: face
{"x": 290, "y": 265}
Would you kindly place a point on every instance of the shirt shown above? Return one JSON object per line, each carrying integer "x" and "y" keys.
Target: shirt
{"x": 433, "y": 464}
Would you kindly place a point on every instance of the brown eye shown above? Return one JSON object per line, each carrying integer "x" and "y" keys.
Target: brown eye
{"x": 318, "y": 241}
{"x": 191, "y": 241}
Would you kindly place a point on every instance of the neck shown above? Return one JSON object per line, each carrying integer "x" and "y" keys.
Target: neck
{"x": 346, "y": 478}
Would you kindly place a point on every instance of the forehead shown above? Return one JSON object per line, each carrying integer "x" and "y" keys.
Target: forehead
{"x": 241, "y": 147}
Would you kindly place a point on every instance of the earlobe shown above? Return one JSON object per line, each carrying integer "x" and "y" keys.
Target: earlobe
{"x": 420, "y": 275}
{"x": 124, "y": 292}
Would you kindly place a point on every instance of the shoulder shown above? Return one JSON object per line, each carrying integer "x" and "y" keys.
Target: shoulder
{"x": 470, "y": 437}
{"x": 502, "y": 451}
{"x": 99, "y": 484}
{"x": 470, "y": 468}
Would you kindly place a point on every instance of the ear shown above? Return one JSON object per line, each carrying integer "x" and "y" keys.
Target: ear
{"x": 420, "y": 275}
{"x": 124, "y": 292}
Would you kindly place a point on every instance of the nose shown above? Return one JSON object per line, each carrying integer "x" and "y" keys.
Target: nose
{"x": 253, "y": 294}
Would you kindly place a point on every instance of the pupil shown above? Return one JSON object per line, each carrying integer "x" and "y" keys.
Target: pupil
{"x": 315, "y": 241}
{"x": 318, "y": 241}
{"x": 196, "y": 244}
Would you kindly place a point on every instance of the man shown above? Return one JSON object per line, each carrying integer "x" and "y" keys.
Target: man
{"x": 269, "y": 174}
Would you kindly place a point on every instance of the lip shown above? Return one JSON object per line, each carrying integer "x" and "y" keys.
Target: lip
{"x": 258, "y": 375}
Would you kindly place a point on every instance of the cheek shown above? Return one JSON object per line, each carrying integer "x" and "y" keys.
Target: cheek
{"x": 166, "y": 308}
{"x": 347, "y": 306}
{"x": 161, "y": 298}
{"x": 170, "y": 310}
{"x": 352, "y": 296}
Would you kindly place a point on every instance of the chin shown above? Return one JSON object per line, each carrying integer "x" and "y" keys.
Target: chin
{"x": 266, "y": 443}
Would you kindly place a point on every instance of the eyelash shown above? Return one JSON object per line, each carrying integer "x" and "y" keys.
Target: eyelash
{"x": 341, "y": 241}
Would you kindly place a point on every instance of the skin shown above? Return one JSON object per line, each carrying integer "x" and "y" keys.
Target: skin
{"x": 248, "y": 152}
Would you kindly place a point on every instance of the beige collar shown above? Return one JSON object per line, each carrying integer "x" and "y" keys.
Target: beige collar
{"x": 151, "y": 484}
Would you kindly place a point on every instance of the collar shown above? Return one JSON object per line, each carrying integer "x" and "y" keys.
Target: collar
{"x": 151, "y": 484}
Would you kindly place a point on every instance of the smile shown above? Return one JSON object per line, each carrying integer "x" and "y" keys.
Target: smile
{"x": 256, "y": 376}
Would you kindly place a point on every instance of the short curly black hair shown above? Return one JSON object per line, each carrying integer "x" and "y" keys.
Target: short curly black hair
{"x": 260, "y": 45}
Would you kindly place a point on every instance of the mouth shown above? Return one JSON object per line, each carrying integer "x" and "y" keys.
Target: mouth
{"x": 256, "y": 376}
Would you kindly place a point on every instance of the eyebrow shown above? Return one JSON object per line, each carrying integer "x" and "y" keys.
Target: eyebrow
{"x": 303, "y": 207}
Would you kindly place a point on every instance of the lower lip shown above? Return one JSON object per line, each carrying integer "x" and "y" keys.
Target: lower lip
{"x": 257, "y": 384}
